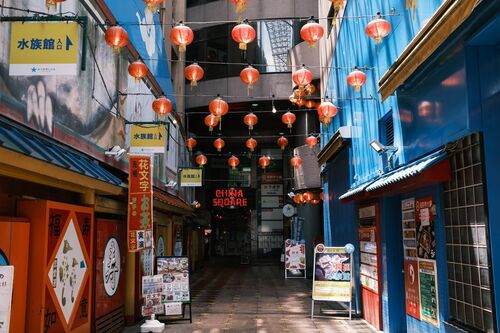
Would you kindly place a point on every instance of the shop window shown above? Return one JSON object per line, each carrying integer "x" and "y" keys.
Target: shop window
{"x": 467, "y": 239}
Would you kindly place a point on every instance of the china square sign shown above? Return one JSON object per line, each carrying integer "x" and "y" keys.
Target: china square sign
{"x": 49, "y": 48}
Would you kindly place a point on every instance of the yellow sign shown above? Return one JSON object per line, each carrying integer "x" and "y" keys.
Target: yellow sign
{"x": 147, "y": 139}
{"x": 191, "y": 177}
{"x": 49, "y": 48}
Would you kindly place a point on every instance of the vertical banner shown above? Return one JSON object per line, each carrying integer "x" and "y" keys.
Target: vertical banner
{"x": 140, "y": 200}
{"x": 429, "y": 304}
{"x": 332, "y": 274}
{"x": 6, "y": 282}
{"x": 412, "y": 291}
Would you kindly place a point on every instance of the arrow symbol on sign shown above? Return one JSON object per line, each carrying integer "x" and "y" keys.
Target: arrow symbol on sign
{"x": 68, "y": 42}
{"x": 159, "y": 136}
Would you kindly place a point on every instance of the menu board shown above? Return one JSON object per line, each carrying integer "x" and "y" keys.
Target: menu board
{"x": 175, "y": 273}
{"x": 429, "y": 303}
{"x": 368, "y": 256}
{"x": 152, "y": 287}
{"x": 425, "y": 211}
{"x": 295, "y": 254}
{"x": 409, "y": 228}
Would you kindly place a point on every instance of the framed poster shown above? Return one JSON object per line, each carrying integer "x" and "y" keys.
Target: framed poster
{"x": 429, "y": 302}
{"x": 175, "y": 273}
{"x": 332, "y": 274}
{"x": 425, "y": 212}
{"x": 295, "y": 256}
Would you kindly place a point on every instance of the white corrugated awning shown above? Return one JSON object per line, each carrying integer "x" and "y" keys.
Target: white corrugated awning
{"x": 354, "y": 191}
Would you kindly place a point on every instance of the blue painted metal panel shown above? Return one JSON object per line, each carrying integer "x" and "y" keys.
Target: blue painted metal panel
{"x": 147, "y": 39}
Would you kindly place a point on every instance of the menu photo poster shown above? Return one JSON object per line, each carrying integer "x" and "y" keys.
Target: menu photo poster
{"x": 425, "y": 213}
{"x": 295, "y": 258}
{"x": 152, "y": 287}
{"x": 429, "y": 296}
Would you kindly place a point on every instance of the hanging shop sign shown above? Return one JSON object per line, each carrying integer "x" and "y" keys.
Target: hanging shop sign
{"x": 412, "y": 291}
{"x": 140, "y": 210}
{"x": 229, "y": 198}
{"x": 295, "y": 254}
{"x": 152, "y": 288}
{"x": 332, "y": 274}
{"x": 6, "y": 282}
{"x": 49, "y": 48}
{"x": 191, "y": 177}
{"x": 429, "y": 303}
{"x": 111, "y": 265}
{"x": 147, "y": 139}
{"x": 175, "y": 273}
{"x": 425, "y": 212}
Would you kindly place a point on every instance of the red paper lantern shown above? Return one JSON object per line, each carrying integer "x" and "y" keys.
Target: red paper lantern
{"x": 152, "y": 5}
{"x": 211, "y": 121}
{"x": 191, "y": 143}
{"x": 282, "y": 142}
{"x": 194, "y": 73}
{"x": 378, "y": 29}
{"x": 298, "y": 199}
{"x": 201, "y": 160}
{"x": 311, "y": 141}
{"x": 116, "y": 37}
{"x": 138, "y": 70}
{"x": 288, "y": 119}
{"x": 310, "y": 104}
{"x": 311, "y": 32}
{"x": 315, "y": 201}
{"x": 243, "y": 34}
{"x": 233, "y": 162}
{"x": 219, "y": 144}
{"x": 251, "y": 144}
{"x": 250, "y": 120}
{"x": 249, "y": 76}
{"x": 302, "y": 77}
{"x": 299, "y": 93}
{"x": 300, "y": 102}
{"x": 356, "y": 79}
{"x": 239, "y": 5}
{"x": 292, "y": 99}
{"x": 325, "y": 120}
{"x": 295, "y": 161}
{"x": 264, "y": 162}
{"x": 307, "y": 196}
{"x": 218, "y": 107}
{"x": 327, "y": 109}
{"x": 310, "y": 89}
{"x": 162, "y": 105}
{"x": 182, "y": 36}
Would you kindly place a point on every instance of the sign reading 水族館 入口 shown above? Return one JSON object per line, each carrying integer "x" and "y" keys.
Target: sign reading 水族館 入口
{"x": 140, "y": 210}
{"x": 191, "y": 177}
{"x": 229, "y": 198}
{"x": 146, "y": 139}
{"x": 48, "y": 48}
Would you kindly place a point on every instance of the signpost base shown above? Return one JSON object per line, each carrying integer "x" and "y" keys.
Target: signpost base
{"x": 152, "y": 325}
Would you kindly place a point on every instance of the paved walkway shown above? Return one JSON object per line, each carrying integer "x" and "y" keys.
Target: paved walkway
{"x": 229, "y": 297}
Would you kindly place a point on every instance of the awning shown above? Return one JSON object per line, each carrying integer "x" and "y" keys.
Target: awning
{"x": 335, "y": 144}
{"x": 428, "y": 170}
{"x": 406, "y": 172}
{"x": 47, "y": 158}
{"x": 171, "y": 203}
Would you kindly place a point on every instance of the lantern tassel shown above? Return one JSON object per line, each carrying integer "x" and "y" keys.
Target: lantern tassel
{"x": 194, "y": 83}
{"x": 182, "y": 48}
{"x": 357, "y": 88}
{"x": 243, "y": 46}
{"x": 240, "y": 6}
{"x": 312, "y": 45}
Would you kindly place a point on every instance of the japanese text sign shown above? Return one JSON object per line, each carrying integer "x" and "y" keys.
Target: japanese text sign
{"x": 147, "y": 139}
{"x": 6, "y": 283}
{"x": 49, "y": 48}
{"x": 140, "y": 210}
{"x": 191, "y": 177}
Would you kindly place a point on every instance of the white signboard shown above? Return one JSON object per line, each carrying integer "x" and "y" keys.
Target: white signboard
{"x": 272, "y": 214}
{"x": 271, "y": 189}
{"x": 6, "y": 282}
{"x": 271, "y": 202}
{"x": 111, "y": 265}
{"x": 173, "y": 309}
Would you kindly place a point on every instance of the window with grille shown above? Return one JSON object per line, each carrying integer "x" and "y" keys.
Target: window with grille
{"x": 467, "y": 239}
{"x": 386, "y": 133}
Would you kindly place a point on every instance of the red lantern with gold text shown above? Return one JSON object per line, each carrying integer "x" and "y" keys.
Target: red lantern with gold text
{"x": 264, "y": 162}
{"x": 181, "y": 36}
{"x": 152, "y": 5}
{"x": 239, "y": 5}
{"x": 311, "y": 141}
{"x": 249, "y": 76}
{"x": 282, "y": 142}
{"x": 251, "y": 144}
{"x": 116, "y": 37}
{"x": 302, "y": 77}
{"x": 194, "y": 73}
{"x": 295, "y": 162}
{"x": 162, "y": 106}
{"x": 311, "y": 32}
{"x": 307, "y": 196}
{"x": 250, "y": 120}
{"x": 219, "y": 144}
{"x": 378, "y": 29}
{"x": 288, "y": 119}
{"x": 243, "y": 34}
{"x": 138, "y": 70}
{"x": 233, "y": 162}
{"x": 201, "y": 160}
{"x": 211, "y": 121}
{"x": 191, "y": 143}
{"x": 218, "y": 107}
{"x": 356, "y": 79}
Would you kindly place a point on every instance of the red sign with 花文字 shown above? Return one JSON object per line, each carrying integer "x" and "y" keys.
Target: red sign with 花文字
{"x": 412, "y": 292}
{"x": 140, "y": 209}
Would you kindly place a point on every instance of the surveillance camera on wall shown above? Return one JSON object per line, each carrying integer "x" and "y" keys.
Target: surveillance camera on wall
{"x": 117, "y": 152}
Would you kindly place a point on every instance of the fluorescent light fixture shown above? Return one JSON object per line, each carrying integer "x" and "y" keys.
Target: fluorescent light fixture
{"x": 117, "y": 152}
{"x": 380, "y": 148}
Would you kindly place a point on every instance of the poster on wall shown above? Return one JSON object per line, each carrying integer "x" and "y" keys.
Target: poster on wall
{"x": 175, "y": 276}
{"x": 412, "y": 291}
{"x": 152, "y": 287}
{"x": 295, "y": 255}
{"x": 425, "y": 213}
{"x": 6, "y": 282}
{"x": 429, "y": 303}
{"x": 140, "y": 210}
{"x": 409, "y": 228}
{"x": 332, "y": 274}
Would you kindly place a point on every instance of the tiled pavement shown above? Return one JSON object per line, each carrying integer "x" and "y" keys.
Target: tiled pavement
{"x": 229, "y": 297}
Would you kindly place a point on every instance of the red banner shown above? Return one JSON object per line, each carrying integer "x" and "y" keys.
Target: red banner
{"x": 412, "y": 292}
{"x": 140, "y": 200}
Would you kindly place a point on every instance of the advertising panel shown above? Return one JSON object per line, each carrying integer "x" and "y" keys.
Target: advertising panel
{"x": 175, "y": 277}
{"x": 191, "y": 177}
{"x": 147, "y": 139}
{"x": 429, "y": 303}
{"x": 140, "y": 210}
{"x": 412, "y": 292}
{"x": 425, "y": 212}
{"x": 152, "y": 288}
{"x": 295, "y": 254}
{"x": 332, "y": 274}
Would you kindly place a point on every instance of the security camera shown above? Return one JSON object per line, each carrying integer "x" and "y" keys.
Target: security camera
{"x": 117, "y": 152}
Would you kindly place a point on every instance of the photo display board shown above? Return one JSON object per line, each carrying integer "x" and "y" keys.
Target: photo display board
{"x": 175, "y": 273}
{"x": 295, "y": 254}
